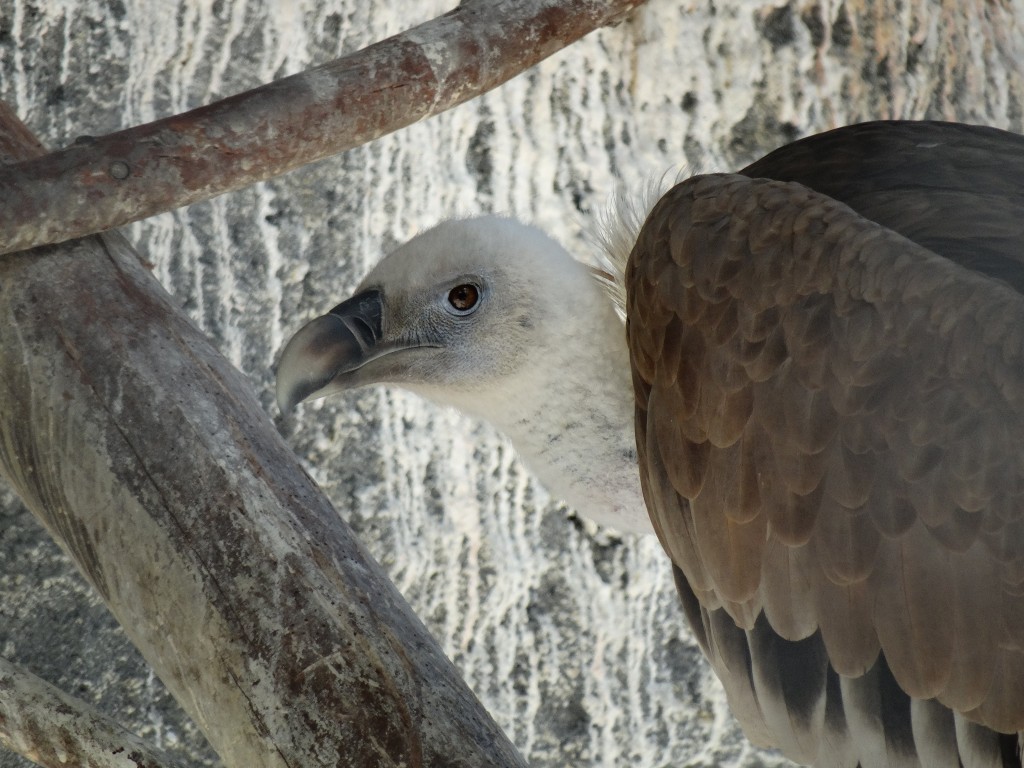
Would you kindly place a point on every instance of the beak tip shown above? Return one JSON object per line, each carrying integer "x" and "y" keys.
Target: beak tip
{"x": 292, "y": 389}
{"x": 285, "y": 403}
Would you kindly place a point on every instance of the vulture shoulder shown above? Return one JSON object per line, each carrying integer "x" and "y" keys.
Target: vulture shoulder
{"x": 828, "y": 366}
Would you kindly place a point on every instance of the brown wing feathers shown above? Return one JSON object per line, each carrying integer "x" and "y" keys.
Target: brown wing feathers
{"x": 829, "y": 420}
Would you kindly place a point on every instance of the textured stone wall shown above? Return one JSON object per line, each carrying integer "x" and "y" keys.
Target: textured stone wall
{"x": 570, "y": 635}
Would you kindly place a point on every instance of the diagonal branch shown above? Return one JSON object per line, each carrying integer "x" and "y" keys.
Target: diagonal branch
{"x": 149, "y": 460}
{"x": 100, "y": 183}
{"x": 55, "y": 730}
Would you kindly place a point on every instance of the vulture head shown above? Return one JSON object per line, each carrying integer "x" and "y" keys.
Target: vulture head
{"x": 819, "y": 389}
{"x": 493, "y": 317}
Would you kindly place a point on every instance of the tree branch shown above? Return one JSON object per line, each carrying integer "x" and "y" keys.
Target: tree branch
{"x": 100, "y": 183}
{"x": 55, "y": 730}
{"x": 149, "y": 460}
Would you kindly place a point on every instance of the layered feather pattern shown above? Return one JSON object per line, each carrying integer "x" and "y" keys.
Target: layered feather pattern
{"x": 830, "y": 420}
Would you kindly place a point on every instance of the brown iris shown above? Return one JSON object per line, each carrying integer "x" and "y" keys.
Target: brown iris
{"x": 464, "y": 297}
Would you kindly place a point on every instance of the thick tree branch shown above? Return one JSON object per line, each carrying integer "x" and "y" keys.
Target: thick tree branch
{"x": 55, "y": 730}
{"x": 97, "y": 184}
{"x": 147, "y": 457}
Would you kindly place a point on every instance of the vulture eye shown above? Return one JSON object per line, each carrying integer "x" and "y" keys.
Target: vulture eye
{"x": 464, "y": 298}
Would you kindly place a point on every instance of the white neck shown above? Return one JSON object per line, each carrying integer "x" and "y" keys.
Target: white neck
{"x": 570, "y": 416}
{"x": 580, "y": 438}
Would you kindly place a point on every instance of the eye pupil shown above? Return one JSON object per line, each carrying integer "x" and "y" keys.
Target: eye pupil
{"x": 464, "y": 297}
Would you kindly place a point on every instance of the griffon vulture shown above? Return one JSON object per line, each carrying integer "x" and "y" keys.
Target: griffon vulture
{"x": 819, "y": 389}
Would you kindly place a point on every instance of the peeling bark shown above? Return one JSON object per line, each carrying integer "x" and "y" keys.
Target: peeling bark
{"x": 149, "y": 460}
{"x": 101, "y": 183}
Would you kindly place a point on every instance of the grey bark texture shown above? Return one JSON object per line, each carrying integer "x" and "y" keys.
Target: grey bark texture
{"x": 570, "y": 636}
{"x": 167, "y": 484}
{"x": 54, "y": 729}
{"x": 102, "y": 182}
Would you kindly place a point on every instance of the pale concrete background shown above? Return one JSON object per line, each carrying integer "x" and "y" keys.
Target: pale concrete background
{"x": 570, "y": 636}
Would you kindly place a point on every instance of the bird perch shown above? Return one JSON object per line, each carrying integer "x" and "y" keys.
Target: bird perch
{"x": 105, "y": 182}
{"x": 53, "y": 729}
{"x": 147, "y": 457}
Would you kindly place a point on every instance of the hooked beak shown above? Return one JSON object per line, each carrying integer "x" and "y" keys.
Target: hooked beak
{"x": 343, "y": 340}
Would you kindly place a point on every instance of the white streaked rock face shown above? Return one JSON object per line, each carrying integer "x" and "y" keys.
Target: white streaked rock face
{"x": 570, "y": 636}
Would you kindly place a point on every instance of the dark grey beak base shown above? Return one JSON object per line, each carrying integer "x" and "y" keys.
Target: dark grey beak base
{"x": 340, "y": 341}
